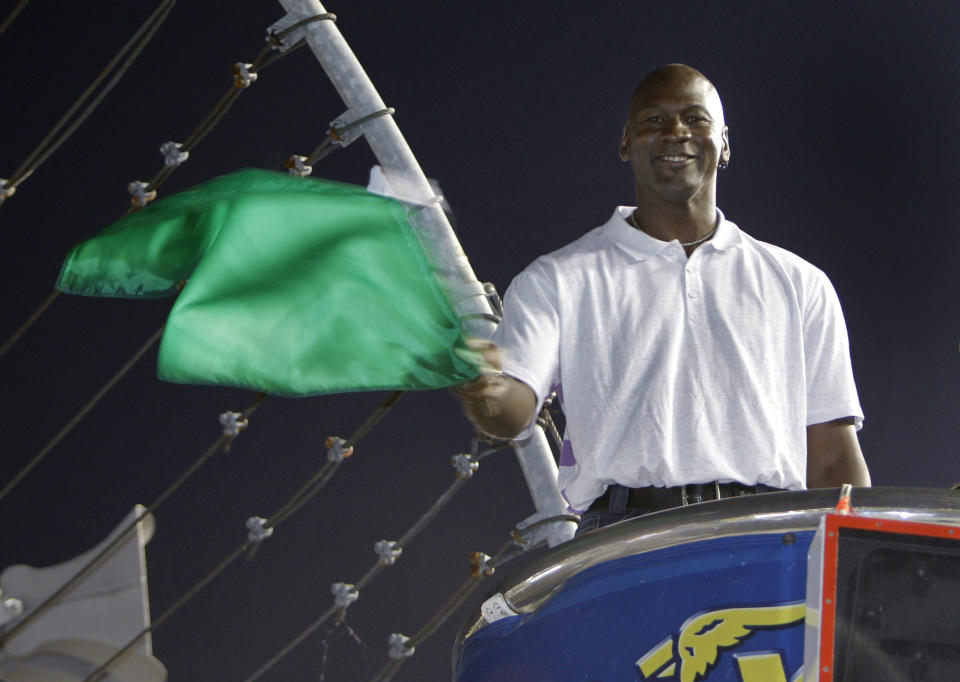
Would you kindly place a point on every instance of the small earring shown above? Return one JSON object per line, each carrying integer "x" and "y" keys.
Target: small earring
{"x": 722, "y": 165}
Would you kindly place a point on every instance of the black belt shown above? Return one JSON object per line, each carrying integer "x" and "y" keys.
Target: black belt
{"x": 655, "y": 499}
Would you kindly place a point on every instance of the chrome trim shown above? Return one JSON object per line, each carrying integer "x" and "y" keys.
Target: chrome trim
{"x": 536, "y": 576}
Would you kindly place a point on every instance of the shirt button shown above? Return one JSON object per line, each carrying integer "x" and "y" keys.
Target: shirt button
{"x": 692, "y": 294}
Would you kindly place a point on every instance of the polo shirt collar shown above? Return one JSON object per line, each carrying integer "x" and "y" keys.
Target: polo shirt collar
{"x": 642, "y": 246}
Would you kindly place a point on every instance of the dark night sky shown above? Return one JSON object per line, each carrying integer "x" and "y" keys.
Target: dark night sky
{"x": 843, "y": 120}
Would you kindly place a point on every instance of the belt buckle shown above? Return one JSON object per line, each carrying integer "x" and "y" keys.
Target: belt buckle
{"x": 685, "y": 496}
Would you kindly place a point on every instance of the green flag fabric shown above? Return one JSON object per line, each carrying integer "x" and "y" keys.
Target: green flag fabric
{"x": 295, "y": 286}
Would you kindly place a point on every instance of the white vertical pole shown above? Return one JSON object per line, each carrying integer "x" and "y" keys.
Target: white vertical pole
{"x": 540, "y": 473}
{"x": 432, "y": 227}
{"x": 392, "y": 151}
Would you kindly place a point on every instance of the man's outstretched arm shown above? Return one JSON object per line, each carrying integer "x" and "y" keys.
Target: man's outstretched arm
{"x": 497, "y": 404}
{"x": 834, "y": 456}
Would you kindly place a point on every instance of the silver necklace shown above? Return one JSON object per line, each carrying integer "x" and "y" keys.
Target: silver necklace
{"x": 633, "y": 221}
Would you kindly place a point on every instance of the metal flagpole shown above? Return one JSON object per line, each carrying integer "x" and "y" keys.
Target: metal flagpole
{"x": 443, "y": 249}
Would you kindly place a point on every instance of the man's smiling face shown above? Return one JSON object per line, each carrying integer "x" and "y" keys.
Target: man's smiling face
{"x": 675, "y": 136}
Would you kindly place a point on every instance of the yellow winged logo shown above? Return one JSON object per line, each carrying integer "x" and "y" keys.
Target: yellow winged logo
{"x": 703, "y": 636}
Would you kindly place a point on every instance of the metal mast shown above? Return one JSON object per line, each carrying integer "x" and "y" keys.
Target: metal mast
{"x": 446, "y": 255}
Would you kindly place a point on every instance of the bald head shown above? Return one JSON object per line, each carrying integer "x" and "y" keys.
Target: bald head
{"x": 675, "y": 140}
{"x": 676, "y": 76}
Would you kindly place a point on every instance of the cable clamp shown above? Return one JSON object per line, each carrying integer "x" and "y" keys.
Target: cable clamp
{"x": 336, "y": 452}
{"x": 243, "y": 75}
{"x": 480, "y": 564}
{"x": 844, "y": 505}
{"x": 173, "y": 155}
{"x": 344, "y": 594}
{"x": 398, "y": 647}
{"x": 544, "y": 527}
{"x": 6, "y": 189}
{"x": 11, "y": 608}
{"x": 297, "y": 165}
{"x": 139, "y": 195}
{"x": 289, "y": 30}
{"x": 257, "y": 529}
{"x": 473, "y": 304}
{"x": 388, "y": 551}
{"x": 465, "y": 465}
{"x": 233, "y": 423}
{"x": 347, "y": 127}
{"x": 520, "y": 537}
{"x": 490, "y": 290}
{"x": 465, "y": 291}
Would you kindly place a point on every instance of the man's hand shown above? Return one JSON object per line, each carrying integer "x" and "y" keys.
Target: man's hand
{"x": 834, "y": 456}
{"x": 497, "y": 404}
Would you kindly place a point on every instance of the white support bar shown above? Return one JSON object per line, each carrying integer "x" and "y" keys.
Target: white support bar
{"x": 393, "y": 153}
{"x": 430, "y": 223}
{"x": 540, "y": 471}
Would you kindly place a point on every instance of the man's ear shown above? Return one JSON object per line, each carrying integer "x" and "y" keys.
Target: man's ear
{"x": 625, "y": 144}
{"x": 725, "y": 152}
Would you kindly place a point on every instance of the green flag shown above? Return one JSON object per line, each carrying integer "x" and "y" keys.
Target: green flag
{"x": 296, "y": 286}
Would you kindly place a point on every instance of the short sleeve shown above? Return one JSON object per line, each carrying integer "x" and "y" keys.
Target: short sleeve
{"x": 831, "y": 391}
{"x": 528, "y": 336}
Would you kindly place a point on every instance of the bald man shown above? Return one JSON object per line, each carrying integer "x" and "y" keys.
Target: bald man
{"x": 691, "y": 360}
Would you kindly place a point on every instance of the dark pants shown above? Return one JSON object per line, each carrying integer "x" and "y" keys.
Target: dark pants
{"x": 616, "y": 510}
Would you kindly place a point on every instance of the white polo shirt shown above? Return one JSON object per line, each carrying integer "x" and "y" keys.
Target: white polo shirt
{"x": 676, "y": 370}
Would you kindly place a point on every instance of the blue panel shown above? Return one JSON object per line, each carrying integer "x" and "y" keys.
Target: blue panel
{"x": 698, "y": 605}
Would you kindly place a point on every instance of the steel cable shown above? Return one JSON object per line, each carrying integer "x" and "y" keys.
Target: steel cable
{"x": 289, "y": 507}
{"x": 91, "y": 565}
{"x": 172, "y": 609}
{"x": 454, "y": 602}
{"x": 316, "y": 482}
{"x": 407, "y": 537}
{"x": 135, "y": 45}
{"x": 457, "y": 599}
{"x": 195, "y": 137}
{"x": 12, "y": 16}
{"x": 68, "y": 427}
{"x": 34, "y": 316}
{"x": 202, "y": 130}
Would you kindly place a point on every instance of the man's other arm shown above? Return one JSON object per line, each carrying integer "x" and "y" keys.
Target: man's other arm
{"x": 834, "y": 456}
{"x": 497, "y": 404}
